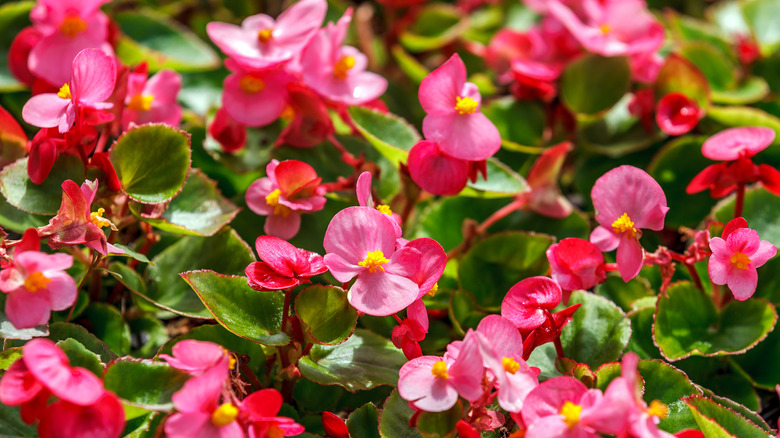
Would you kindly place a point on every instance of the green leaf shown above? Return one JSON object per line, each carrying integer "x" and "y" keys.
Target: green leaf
{"x": 152, "y": 162}
{"x": 364, "y": 361}
{"x": 440, "y": 424}
{"x": 151, "y": 334}
{"x": 12, "y": 425}
{"x": 711, "y": 62}
{"x": 44, "y": 199}
{"x": 518, "y": 121}
{"x": 752, "y": 90}
{"x": 391, "y": 135}
{"x": 720, "y": 375}
{"x": 254, "y": 156}
{"x": 143, "y": 383}
{"x": 63, "y": 330}
{"x": 79, "y": 356}
{"x": 325, "y": 314}
{"x": 9, "y": 356}
{"x": 437, "y": 25}
{"x": 759, "y": 16}
{"x": 719, "y": 421}
{"x": 223, "y": 252}
{"x": 760, "y": 209}
{"x": 680, "y": 75}
{"x": 13, "y": 219}
{"x": 754, "y": 362}
{"x": 13, "y": 18}
{"x": 108, "y": 325}
{"x": 130, "y": 252}
{"x": 161, "y": 43}
{"x": 463, "y": 311}
{"x": 394, "y": 421}
{"x": 593, "y": 83}
{"x": 364, "y": 422}
{"x": 501, "y": 182}
{"x": 311, "y": 397}
{"x": 200, "y": 209}
{"x": 495, "y": 264}
{"x": 145, "y": 426}
{"x": 687, "y": 323}
{"x": 735, "y": 116}
{"x": 414, "y": 70}
{"x": 235, "y": 306}
{"x": 641, "y": 341}
{"x": 622, "y": 293}
{"x": 598, "y": 333}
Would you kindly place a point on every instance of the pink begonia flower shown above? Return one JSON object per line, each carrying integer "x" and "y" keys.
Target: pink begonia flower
{"x": 259, "y": 409}
{"x": 91, "y": 83}
{"x": 292, "y": 187}
{"x": 529, "y": 301}
{"x": 105, "y": 418}
{"x": 361, "y": 243}
{"x": 735, "y": 143}
{"x": 197, "y": 357}
{"x": 152, "y": 100}
{"x": 677, "y": 114}
{"x": 283, "y": 266}
{"x": 576, "y": 264}
{"x": 339, "y": 72}
{"x": 545, "y": 196}
{"x": 74, "y": 224}
{"x": 735, "y": 257}
{"x": 36, "y": 284}
{"x": 67, "y": 27}
{"x": 626, "y": 200}
{"x": 433, "y": 383}
{"x": 454, "y": 120}
{"x": 262, "y": 42}
{"x": 562, "y": 407}
{"x": 436, "y": 172}
{"x": 255, "y": 97}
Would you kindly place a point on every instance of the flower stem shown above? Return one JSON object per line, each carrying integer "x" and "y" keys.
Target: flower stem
{"x": 500, "y": 214}
{"x": 740, "y": 200}
{"x": 286, "y": 309}
{"x": 248, "y": 373}
{"x": 694, "y": 276}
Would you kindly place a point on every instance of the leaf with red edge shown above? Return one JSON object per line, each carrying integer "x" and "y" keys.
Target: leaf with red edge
{"x": 719, "y": 421}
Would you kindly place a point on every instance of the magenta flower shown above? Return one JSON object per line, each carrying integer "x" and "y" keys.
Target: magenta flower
{"x": 562, "y": 407}
{"x": 626, "y": 200}
{"x": 292, "y": 187}
{"x": 338, "y": 72}
{"x": 454, "y": 120}
{"x": 361, "y": 243}
{"x": 91, "y": 83}
{"x": 197, "y": 357}
{"x": 528, "y": 302}
{"x": 263, "y": 42}
{"x": 436, "y": 172}
{"x": 255, "y": 97}
{"x": 152, "y": 100}
{"x": 259, "y": 409}
{"x": 735, "y": 257}
{"x": 36, "y": 283}
{"x": 283, "y": 266}
{"x": 576, "y": 264}
{"x": 677, "y": 114}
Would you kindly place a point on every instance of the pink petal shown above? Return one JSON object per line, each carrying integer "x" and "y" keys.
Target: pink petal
{"x": 742, "y": 282}
{"x": 164, "y": 86}
{"x": 363, "y": 190}
{"x": 630, "y": 256}
{"x": 18, "y": 385}
{"x": 93, "y": 76}
{"x": 433, "y": 260}
{"x": 61, "y": 290}
{"x": 381, "y": 294}
{"x": 201, "y": 394}
{"x": 548, "y": 398}
{"x": 298, "y": 24}
{"x": 764, "y": 252}
{"x": 277, "y": 253}
{"x": 355, "y": 231}
{"x": 734, "y": 143}
{"x": 263, "y": 277}
{"x": 604, "y": 238}
{"x": 27, "y": 310}
{"x": 106, "y": 419}
{"x": 438, "y": 91}
{"x": 256, "y": 193}
{"x": 52, "y": 58}
{"x": 524, "y": 302}
{"x": 283, "y": 227}
{"x": 187, "y": 425}
{"x": 51, "y": 367}
{"x": 41, "y": 160}
{"x": 417, "y": 312}
{"x": 471, "y": 137}
{"x": 259, "y": 108}
{"x": 467, "y": 370}
{"x": 45, "y": 110}
{"x": 262, "y": 404}
{"x": 719, "y": 268}
{"x": 418, "y": 385}
{"x": 404, "y": 262}
{"x": 627, "y": 189}
{"x": 503, "y": 335}
{"x": 435, "y": 171}
{"x": 341, "y": 269}
{"x": 196, "y": 357}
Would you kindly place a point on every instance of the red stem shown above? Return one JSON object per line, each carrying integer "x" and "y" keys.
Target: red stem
{"x": 740, "y": 200}
{"x": 500, "y": 214}
{"x": 286, "y": 309}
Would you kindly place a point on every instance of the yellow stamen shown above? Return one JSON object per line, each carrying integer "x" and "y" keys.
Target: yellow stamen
{"x": 251, "y": 84}
{"x": 96, "y": 217}
{"x": 571, "y": 413}
{"x": 73, "y": 25}
{"x": 510, "y": 365}
{"x": 658, "y": 409}
{"x": 232, "y": 362}
{"x": 343, "y": 66}
{"x": 374, "y": 260}
{"x": 274, "y": 432}
{"x": 465, "y": 105}
{"x": 224, "y": 415}
{"x": 740, "y": 260}
{"x": 440, "y": 370}
{"x": 273, "y": 201}
{"x": 36, "y": 281}
{"x": 139, "y": 102}
{"x": 384, "y": 209}
{"x": 624, "y": 224}
{"x": 288, "y": 114}
{"x": 433, "y": 290}
{"x": 64, "y": 92}
{"x": 265, "y": 35}
{"x": 606, "y": 28}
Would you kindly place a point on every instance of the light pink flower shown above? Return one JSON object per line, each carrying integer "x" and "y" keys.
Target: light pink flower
{"x": 255, "y": 97}
{"x": 626, "y": 200}
{"x": 91, "y": 83}
{"x": 283, "y": 266}
{"x": 152, "y": 100}
{"x": 562, "y": 407}
{"x": 260, "y": 410}
{"x": 36, "y": 284}
{"x": 338, "y": 72}
{"x": 528, "y": 302}
{"x": 262, "y": 42}
{"x": 576, "y": 264}
{"x": 361, "y": 243}
{"x": 735, "y": 143}
{"x": 735, "y": 257}
{"x": 454, "y": 120}
{"x": 197, "y": 357}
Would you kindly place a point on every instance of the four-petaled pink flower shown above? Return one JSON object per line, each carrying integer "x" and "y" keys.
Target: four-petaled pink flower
{"x": 735, "y": 257}
{"x": 92, "y": 80}
{"x": 152, "y": 100}
{"x": 563, "y": 407}
{"x": 36, "y": 283}
{"x": 283, "y": 265}
{"x": 626, "y": 200}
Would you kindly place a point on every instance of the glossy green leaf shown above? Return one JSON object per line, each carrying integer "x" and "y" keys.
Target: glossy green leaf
{"x": 687, "y": 323}
{"x": 760, "y": 209}
{"x": 150, "y": 333}
{"x": 146, "y": 426}
{"x": 720, "y": 376}
{"x": 152, "y": 162}
{"x": 109, "y": 326}
{"x": 759, "y": 16}
{"x": 248, "y": 313}
{"x": 463, "y": 311}
{"x": 13, "y": 18}
{"x": 593, "y": 83}
{"x": 391, "y": 135}
{"x": 13, "y": 219}
{"x": 254, "y": 156}
{"x": 622, "y": 293}
{"x": 364, "y": 361}
{"x": 325, "y": 314}
{"x": 143, "y": 383}
{"x": 394, "y": 420}
{"x": 437, "y": 25}
{"x": 364, "y": 422}
{"x": 755, "y": 361}
{"x": 641, "y": 341}
{"x": 62, "y": 330}
{"x": 409, "y": 64}
{"x": 719, "y": 421}
{"x": 9, "y": 356}
{"x": 711, "y": 62}
{"x": 44, "y": 199}
{"x": 311, "y": 397}
{"x": 682, "y": 76}
{"x": 501, "y": 182}
{"x": 79, "y": 356}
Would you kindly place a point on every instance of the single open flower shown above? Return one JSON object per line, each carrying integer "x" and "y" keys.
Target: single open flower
{"x": 283, "y": 266}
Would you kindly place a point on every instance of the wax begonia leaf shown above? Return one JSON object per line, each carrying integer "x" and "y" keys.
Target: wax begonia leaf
{"x": 394, "y": 419}
{"x": 391, "y": 135}
{"x": 437, "y": 25}
{"x": 144, "y": 383}
{"x": 79, "y": 356}
{"x": 43, "y": 199}
{"x": 364, "y": 421}
{"x": 501, "y": 182}
{"x": 682, "y": 76}
{"x": 754, "y": 361}
{"x": 325, "y": 314}
{"x": 758, "y": 16}
{"x": 735, "y": 116}
{"x": 62, "y": 330}
{"x": 719, "y": 421}
{"x": 439, "y": 424}
{"x": 593, "y": 83}
{"x": 13, "y": 18}
{"x": 109, "y": 326}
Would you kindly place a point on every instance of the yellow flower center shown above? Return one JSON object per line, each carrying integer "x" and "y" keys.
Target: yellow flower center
{"x": 465, "y": 105}
{"x": 624, "y": 224}
{"x": 251, "y": 84}
{"x": 265, "y": 35}
{"x": 73, "y": 25}
{"x": 433, "y": 290}
{"x": 440, "y": 370}
{"x": 374, "y": 260}
{"x": 288, "y": 114}
{"x": 139, "y": 102}
{"x": 658, "y": 409}
{"x": 606, "y": 28}
{"x": 274, "y": 432}
{"x": 571, "y": 413}
{"x": 740, "y": 260}
{"x": 273, "y": 201}
{"x": 64, "y": 92}
{"x": 343, "y": 66}
{"x": 36, "y": 281}
{"x": 224, "y": 415}
{"x": 96, "y": 217}
{"x": 384, "y": 209}
{"x": 510, "y": 365}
